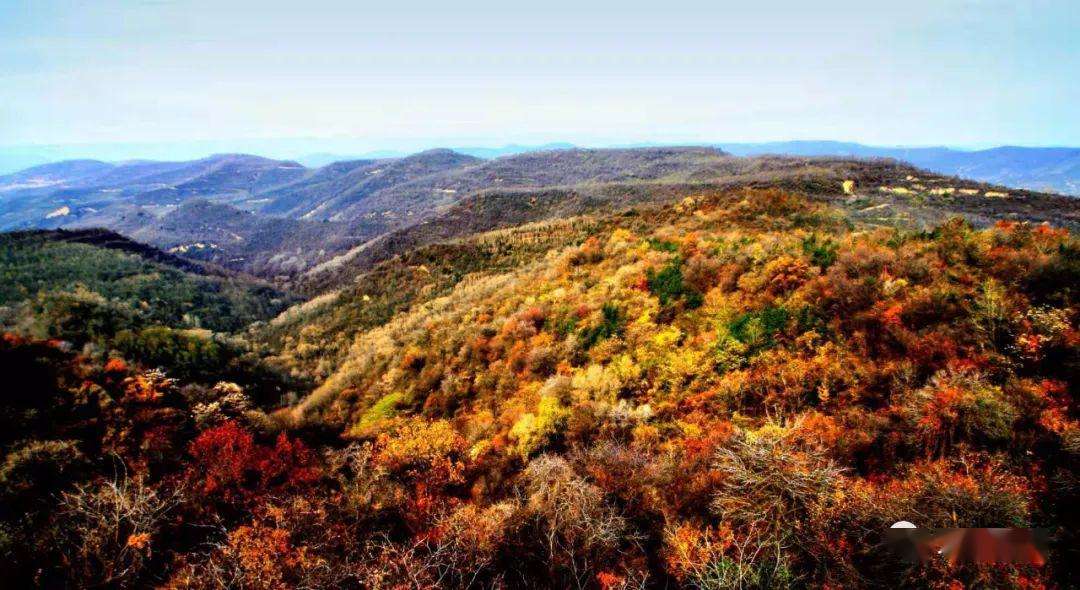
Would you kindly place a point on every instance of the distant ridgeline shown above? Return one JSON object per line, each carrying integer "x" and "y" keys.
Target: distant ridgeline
{"x": 289, "y": 223}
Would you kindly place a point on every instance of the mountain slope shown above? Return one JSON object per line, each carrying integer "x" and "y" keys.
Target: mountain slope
{"x": 1040, "y": 169}
{"x": 332, "y": 198}
{"x": 301, "y": 196}
{"x": 312, "y": 338}
{"x": 741, "y": 380}
{"x": 910, "y": 198}
{"x": 241, "y": 240}
{"x": 65, "y": 171}
{"x": 702, "y": 364}
{"x": 119, "y": 283}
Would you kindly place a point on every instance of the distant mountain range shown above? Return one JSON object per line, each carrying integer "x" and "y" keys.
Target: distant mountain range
{"x": 312, "y": 152}
{"x": 274, "y": 217}
{"x": 324, "y": 158}
{"x": 1049, "y": 169}
{"x": 281, "y": 219}
{"x": 1052, "y": 169}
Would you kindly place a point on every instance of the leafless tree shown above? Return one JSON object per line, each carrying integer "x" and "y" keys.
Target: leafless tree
{"x": 111, "y": 527}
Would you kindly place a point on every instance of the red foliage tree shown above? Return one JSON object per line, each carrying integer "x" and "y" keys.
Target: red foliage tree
{"x": 231, "y": 463}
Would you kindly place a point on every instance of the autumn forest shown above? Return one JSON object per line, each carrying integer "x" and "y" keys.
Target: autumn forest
{"x": 676, "y": 385}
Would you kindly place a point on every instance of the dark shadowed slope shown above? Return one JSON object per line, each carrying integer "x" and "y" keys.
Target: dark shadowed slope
{"x": 242, "y": 240}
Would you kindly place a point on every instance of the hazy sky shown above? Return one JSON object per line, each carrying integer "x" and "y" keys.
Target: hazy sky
{"x": 393, "y": 74}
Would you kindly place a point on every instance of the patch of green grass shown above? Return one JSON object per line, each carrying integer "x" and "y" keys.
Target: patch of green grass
{"x": 384, "y": 409}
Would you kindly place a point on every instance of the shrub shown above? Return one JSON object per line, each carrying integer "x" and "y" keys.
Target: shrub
{"x": 226, "y": 401}
{"x": 769, "y": 486}
{"x": 576, "y": 525}
{"x": 757, "y": 566}
{"x": 38, "y": 468}
{"x": 361, "y": 481}
{"x": 232, "y": 466}
{"x": 958, "y": 406}
{"x": 668, "y": 286}
{"x": 662, "y": 245}
{"x": 533, "y": 431}
{"x": 80, "y": 315}
{"x": 222, "y": 455}
{"x": 966, "y": 491}
{"x": 822, "y": 252}
{"x": 429, "y": 451}
{"x": 470, "y": 538}
{"x": 113, "y": 527}
{"x": 187, "y": 354}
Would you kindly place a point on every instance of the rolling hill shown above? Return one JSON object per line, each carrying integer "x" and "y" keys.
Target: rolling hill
{"x": 605, "y": 369}
{"x": 889, "y": 192}
{"x": 141, "y": 284}
{"x": 281, "y": 220}
{"x": 841, "y": 372}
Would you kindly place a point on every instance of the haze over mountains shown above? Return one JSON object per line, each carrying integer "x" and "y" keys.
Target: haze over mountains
{"x": 1053, "y": 169}
{"x": 281, "y": 219}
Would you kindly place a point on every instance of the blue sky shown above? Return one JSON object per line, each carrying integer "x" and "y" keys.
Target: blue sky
{"x": 402, "y": 75}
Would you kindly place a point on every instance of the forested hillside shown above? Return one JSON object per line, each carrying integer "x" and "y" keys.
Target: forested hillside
{"x": 879, "y": 192}
{"x": 107, "y": 295}
{"x": 313, "y": 337}
{"x": 737, "y": 375}
{"x": 743, "y": 391}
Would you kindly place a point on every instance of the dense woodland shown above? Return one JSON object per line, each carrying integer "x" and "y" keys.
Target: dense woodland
{"x": 741, "y": 389}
